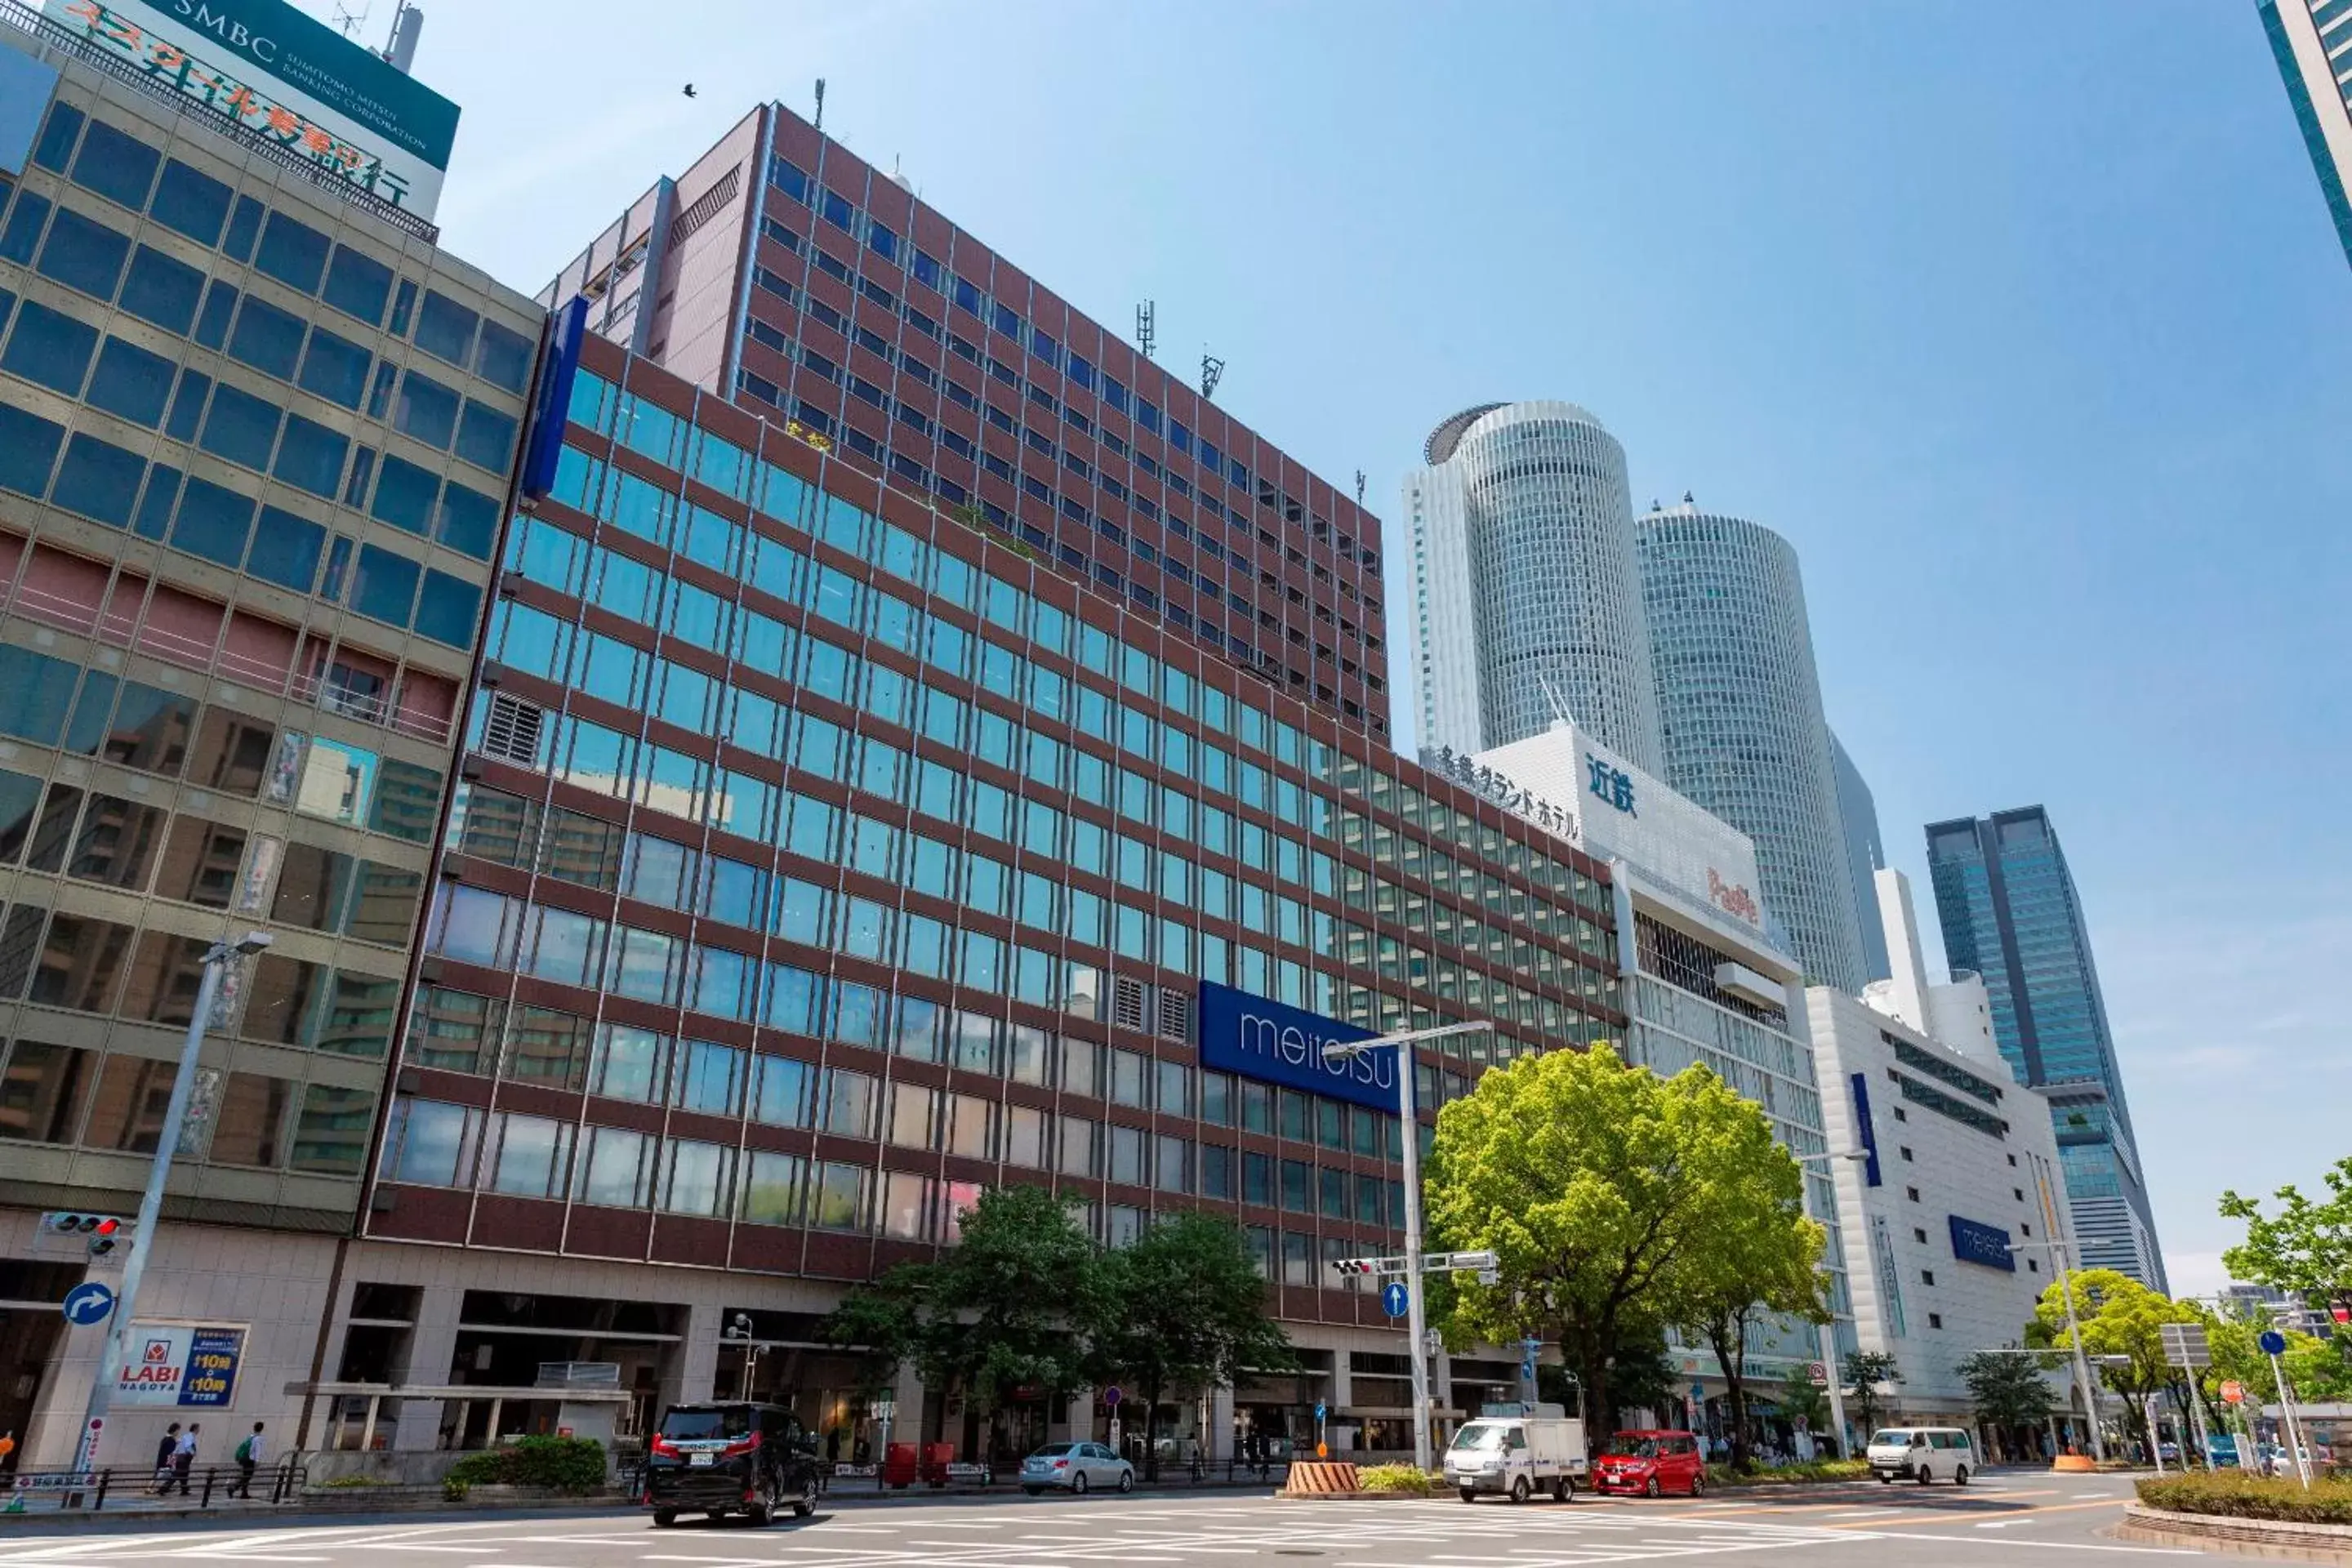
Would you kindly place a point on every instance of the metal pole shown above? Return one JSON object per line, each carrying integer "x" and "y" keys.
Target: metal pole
{"x": 2290, "y": 1426}
{"x": 2082, "y": 1367}
{"x": 150, "y": 1208}
{"x": 1416, "y": 1315}
{"x": 2155, "y": 1437}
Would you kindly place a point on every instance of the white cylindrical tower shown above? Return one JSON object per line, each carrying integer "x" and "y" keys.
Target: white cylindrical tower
{"x": 1555, "y": 585}
{"x": 1744, "y": 732}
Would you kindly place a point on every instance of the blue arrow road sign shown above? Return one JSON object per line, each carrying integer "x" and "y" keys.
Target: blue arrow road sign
{"x": 88, "y": 1303}
{"x": 1393, "y": 1299}
{"x": 2273, "y": 1341}
{"x": 1318, "y": 1410}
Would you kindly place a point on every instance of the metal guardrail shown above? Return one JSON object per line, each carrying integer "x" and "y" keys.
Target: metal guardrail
{"x": 206, "y": 1488}
{"x": 56, "y": 36}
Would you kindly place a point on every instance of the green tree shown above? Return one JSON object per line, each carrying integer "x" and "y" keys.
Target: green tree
{"x": 2006, "y": 1390}
{"x": 1866, "y": 1369}
{"x": 2305, "y": 1249}
{"x": 1757, "y": 1260}
{"x": 2122, "y": 1330}
{"x": 1590, "y": 1180}
{"x": 1012, "y": 1306}
{"x": 1184, "y": 1310}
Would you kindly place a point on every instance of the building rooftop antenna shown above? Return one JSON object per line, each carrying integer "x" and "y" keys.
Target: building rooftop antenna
{"x": 400, "y": 48}
{"x": 1147, "y": 336}
{"x": 348, "y": 20}
{"x": 819, "y": 123}
{"x": 1213, "y": 370}
{"x": 1359, "y": 487}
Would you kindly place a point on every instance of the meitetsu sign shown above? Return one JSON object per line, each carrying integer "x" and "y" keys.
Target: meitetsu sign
{"x": 287, "y": 79}
{"x": 1278, "y": 1043}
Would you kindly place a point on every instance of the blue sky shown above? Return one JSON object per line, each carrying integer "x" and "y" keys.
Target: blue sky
{"x": 2024, "y": 323}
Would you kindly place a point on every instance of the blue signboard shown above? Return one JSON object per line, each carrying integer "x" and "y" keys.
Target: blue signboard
{"x": 1394, "y": 1300}
{"x": 1278, "y": 1043}
{"x": 1982, "y": 1244}
{"x": 1860, "y": 1085}
{"x": 552, "y": 399}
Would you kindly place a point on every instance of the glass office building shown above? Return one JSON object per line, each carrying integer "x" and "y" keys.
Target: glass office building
{"x": 823, "y": 859}
{"x": 2009, "y": 911}
{"x": 1740, "y": 703}
{"x": 1528, "y": 593}
{"x": 256, "y": 442}
{"x": 2312, "y": 42}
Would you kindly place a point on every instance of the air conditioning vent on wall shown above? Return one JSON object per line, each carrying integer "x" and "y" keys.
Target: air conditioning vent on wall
{"x": 513, "y": 730}
{"x": 1131, "y": 1005}
{"x": 1175, "y": 1017}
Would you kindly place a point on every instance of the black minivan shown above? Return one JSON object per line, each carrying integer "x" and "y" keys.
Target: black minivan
{"x": 729, "y": 1456}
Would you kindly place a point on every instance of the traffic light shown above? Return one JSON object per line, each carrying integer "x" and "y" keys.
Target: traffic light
{"x": 103, "y": 1232}
{"x": 1354, "y": 1266}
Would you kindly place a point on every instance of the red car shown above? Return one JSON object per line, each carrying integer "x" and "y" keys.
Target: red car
{"x": 1651, "y": 1463}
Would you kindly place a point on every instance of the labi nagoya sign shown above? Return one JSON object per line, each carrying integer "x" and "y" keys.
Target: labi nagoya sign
{"x": 178, "y": 1365}
{"x": 288, "y": 79}
{"x": 1276, "y": 1044}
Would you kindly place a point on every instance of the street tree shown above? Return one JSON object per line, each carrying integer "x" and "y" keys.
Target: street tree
{"x": 1866, "y": 1369}
{"x": 1014, "y": 1305}
{"x": 1758, "y": 1259}
{"x": 2008, "y": 1390}
{"x": 2303, "y": 1249}
{"x": 2122, "y": 1329}
{"x": 1184, "y": 1310}
{"x": 1591, "y": 1181}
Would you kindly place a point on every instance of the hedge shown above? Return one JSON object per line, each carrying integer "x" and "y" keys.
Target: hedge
{"x": 558, "y": 1464}
{"x": 1395, "y": 1479}
{"x": 1790, "y": 1475}
{"x": 2233, "y": 1494}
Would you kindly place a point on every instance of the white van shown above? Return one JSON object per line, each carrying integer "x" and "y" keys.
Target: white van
{"x": 1922, "y": 1454}
{"x": 1518, "y": 1450}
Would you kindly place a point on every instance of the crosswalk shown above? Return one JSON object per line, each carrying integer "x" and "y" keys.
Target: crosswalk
{"x": 1095, "y": 1534}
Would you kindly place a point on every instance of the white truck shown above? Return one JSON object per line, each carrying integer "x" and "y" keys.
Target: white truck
{"x": 1518, "y": 1450}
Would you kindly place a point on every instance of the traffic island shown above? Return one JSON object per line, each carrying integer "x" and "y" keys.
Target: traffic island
{"x": 2243, "y": 1537}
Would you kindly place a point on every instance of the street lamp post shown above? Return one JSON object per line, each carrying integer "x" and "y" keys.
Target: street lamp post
{"x": 151, "y": 1205}
{"x": 2083, "y": 1384}
{"x": 1417, "y": 1317}
{"x": 1828, "y": 1336}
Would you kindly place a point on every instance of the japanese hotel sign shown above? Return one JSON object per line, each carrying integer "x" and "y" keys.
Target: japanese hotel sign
{"x": 1278, "y": 1043}
{"x": 286, "y": 79}
{"x": 179, "y": 1365}
{"x": 1565, "y": 779}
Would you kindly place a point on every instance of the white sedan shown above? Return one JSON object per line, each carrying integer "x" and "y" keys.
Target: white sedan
{"x": 1076, "y": 1468}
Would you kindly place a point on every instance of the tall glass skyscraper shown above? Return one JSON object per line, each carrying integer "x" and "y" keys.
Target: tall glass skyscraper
{"x": 2010, "y": 912}
{"x": 1527, "y": 594}
{"x": 1741, "y": 707}
{"x": 2312, "y": 40}
{"x": 1865, "y": 856}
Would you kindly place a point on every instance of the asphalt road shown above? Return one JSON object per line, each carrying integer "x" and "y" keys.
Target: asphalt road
{"x": 2019, "y": 1519}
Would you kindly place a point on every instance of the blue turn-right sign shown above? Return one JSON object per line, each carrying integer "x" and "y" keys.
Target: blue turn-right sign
{"x": 1394, "y": 1300}
{"x": 87, "y": 1304}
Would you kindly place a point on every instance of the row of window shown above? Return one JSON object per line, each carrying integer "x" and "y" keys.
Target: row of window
{"x": 971, "y": 297}
{"x": 126, "y": 170}
{"x": 62, "y": 1094}
{"x": 164, "y": 292}
{"x": 53, "y": 702}
{"x": 460, "y": 1031}
{"x": 107, "y": 484}
{"x": 86, "y": 964}
{"x": 120, "y": 842}
{"x": 603, "y": 576}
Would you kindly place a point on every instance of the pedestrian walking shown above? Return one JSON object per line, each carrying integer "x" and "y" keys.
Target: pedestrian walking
{"x": 249, "y": 1459}
{"x": 165, "y": 1448}
{"x": 184, "y": 1459}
